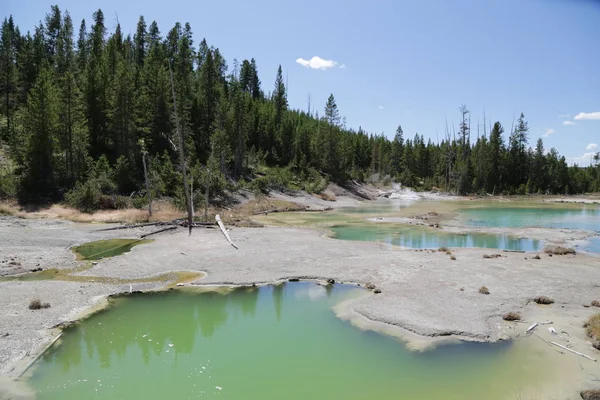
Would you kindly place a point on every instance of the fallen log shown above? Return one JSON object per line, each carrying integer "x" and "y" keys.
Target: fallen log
{"x": 130, "y": 226}
{"x": 278, "y": 211}
{"x": 573, "y": 351}
{"x": 168, "y": 228}
{"x": 218, "y": 218}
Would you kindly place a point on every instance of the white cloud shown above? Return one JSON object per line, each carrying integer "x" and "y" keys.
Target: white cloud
{"x": 317, "y": 63}
{"x": 549, "y": 132}
{"x": 343, "y": 66}
{"x": 381, "y": 107}
{"x": 568, "y": 123}
{"x": 587, "y": 116}
{"x": 583, "y": 160}
{"x": 591, "y": 146}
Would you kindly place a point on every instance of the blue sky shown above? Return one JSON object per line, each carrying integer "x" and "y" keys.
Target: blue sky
{"x": 391, "y": 62}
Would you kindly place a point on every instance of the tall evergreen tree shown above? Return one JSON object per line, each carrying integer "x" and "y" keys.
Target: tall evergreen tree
{"x": 42, "y": 123}
{"x": 8, "y": 72}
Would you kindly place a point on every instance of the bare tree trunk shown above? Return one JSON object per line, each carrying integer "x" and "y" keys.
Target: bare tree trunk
{"x": 147, "y": 186}
{"x": 182, "y": 156}
{"x": 207, "y": 194}
{"x": 192, "y": 193}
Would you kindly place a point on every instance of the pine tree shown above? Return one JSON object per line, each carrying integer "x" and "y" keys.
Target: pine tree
{"x": 332, "y": 118}
{"x": 96, "y": 88}
{"x": 279, "y": 98}
{"x": 8, "y": 73}
{"x": 396, "y": 155}
{"x": 496, "y": 158}
{"x": 82, "y": 48}
{"x": 72, "y": 132}
{"x": 538, "y": 169}
{"x": 517, "y": 157}
{"x": 42, "y": 123}
{"x": 140, "y": 43}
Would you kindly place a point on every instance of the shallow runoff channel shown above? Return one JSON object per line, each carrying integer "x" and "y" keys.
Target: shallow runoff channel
{"x": 272, "y": 342}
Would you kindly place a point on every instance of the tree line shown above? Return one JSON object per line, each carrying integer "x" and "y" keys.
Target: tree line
{"x": 81, "y": 113}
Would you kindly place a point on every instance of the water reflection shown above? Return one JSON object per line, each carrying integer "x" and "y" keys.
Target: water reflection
{"x": 207, "y": 312}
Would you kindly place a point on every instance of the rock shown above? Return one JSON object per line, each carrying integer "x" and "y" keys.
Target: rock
{"x": 370, "y": 286}
{"x": 377, "y": 291}
{"x": 331, "y": 281}
{"x": 590, "y": 394}
{"x": 537, "y": 257}
{"x": 293, "y": 280}
{"x": 35, "y": 270}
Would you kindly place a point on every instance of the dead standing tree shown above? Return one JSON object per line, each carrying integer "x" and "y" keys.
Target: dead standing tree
{"x": 182, "y": 156}
{"x": 146, "y": 180}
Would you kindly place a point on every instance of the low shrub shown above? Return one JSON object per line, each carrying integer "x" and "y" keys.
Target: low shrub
{"x": 484, "y": 290}
{"x": 36, "y": 304}
{"x": 592, "y": 328}
{"x": 543, "y": 300}
{"x": 492, "y": 255}
{"x": 85, "y": 196}
{"x": 596, "y": 303}
{"x": 590, "y": 394}
{"x": 559, "y": 251}
{"x": 511, "y": 316}
{"x": 453, "y": 258}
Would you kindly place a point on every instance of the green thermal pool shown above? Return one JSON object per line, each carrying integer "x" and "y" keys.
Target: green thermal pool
{"x": 106, "y": 248}
{"x": 424, "y": 238}
{"x": 357, "y": 223}
{"x": 585, "y": 217}
{"x": 276, "y": 342}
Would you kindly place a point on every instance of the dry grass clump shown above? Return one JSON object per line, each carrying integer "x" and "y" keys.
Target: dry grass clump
{"x": 492, "y": 255}
{"x": 484, "y": 290}
{"x": 559, "y": 251}
{"x": 543, "y": 300}
{"x": 7, "y": 209}
{"x": 453, "y": 258}
{"x": 327, "y": 196}
{"x": 596, "y": 303}
{"x": 592, "y": 328}
{"x": 161, "y": 211}
{"x": 511, "y": 316}
{"x": 36, "y": 304}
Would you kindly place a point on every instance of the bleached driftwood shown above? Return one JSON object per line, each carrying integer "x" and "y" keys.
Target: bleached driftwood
{"x": 218, "y": 218}
{"x": 532, "y": 327}
{"x": 573, "y": 351}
